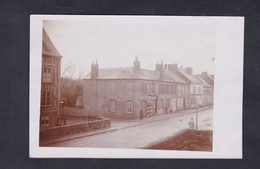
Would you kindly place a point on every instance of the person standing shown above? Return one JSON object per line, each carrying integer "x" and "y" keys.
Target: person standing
{"x": 191, "y": 124}
{"x": 141, "y": 114}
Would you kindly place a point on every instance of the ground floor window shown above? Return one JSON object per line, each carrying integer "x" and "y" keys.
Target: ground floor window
{"x": 112, "y": 106}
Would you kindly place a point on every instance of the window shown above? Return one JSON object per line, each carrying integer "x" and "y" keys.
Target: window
{"x": 112, "y": 87}
{"x": 199, "y": 89}
{"x": 180, "y": 103}
{"x": 173, "y": 90}
{"x": 46, "y": 94}
{"x": 144, "y": 88}
{"x": 47, "y": 69}
{"x": 161, "y": 89}
{"x": 112, "y": 106}
{"x": 47, "y": 75}
{"x": 129, "y": 106}
{"x": 180, "y": 90}
{"x": 164, "y": 88}
{"x": 130, "y": 88}
{"x": 151, "y": 88}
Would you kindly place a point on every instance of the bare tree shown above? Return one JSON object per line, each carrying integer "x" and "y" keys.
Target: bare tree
{"x": 69, "y": 71}
{"x": 71, "y": 88}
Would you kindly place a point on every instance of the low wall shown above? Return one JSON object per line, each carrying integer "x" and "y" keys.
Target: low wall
{"x": 59, "y": 131}
{"x": 122, "y": 115}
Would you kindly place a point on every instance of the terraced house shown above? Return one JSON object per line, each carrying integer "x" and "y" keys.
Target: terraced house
{"x": 123, "y": 92}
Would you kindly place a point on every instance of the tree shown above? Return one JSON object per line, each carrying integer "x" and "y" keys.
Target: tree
{"x": 71, "y": 88}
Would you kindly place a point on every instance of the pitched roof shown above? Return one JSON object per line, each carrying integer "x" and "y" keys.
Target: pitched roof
{"x": 191, "y": 78}
{"x": 47, "y": 46}
{"x": 208, "y": 78}
{"x": 131, "y": 73}
{"x": 211, "y": 77}
{"x": 205, "y": 83}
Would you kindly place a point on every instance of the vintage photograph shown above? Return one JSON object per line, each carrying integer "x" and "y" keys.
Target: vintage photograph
{"x": 127, "y": 82}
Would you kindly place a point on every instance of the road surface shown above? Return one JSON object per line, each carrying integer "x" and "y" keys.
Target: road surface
{"x": 142, "y": 133}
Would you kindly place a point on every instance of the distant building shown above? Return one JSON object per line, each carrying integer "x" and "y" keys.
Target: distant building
{"x": 208, "y": 88}
{"x": 196, "y": 87}
{"x": 123, "y": 92}
{"x": 50, "y": 86}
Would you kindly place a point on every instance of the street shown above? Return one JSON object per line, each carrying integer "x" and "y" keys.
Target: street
{"x": 138, "y": 134}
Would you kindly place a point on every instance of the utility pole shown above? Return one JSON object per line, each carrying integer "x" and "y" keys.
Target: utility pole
{"x": 197, "y": 117}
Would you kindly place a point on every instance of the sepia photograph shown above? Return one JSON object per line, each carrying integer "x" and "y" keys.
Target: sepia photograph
{"x": 148, "y": 85}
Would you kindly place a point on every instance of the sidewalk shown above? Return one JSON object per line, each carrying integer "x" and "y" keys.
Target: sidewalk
{"x": 122, "y": 124}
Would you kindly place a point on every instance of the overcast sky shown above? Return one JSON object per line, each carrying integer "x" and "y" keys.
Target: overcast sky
{"x": 115, "y": 41}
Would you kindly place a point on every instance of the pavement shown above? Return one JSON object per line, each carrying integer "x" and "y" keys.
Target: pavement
{"x": 125, "y": 133}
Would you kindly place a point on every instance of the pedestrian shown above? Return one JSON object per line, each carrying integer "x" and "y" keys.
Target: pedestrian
{"x": 141, "y": 114}
{"x": 191, "y": 124}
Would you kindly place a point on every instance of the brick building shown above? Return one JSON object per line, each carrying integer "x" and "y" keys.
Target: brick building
{"x": 50, "y": 83}
{"x": 122, "y": 92}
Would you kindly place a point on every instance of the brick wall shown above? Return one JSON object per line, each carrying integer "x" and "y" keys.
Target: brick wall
{"x": 60, "y": 131}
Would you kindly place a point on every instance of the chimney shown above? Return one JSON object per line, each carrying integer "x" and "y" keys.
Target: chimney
{"x": 166, "y": 66}
{"x": 160, "y": 68}
{"x": 189, "y": 70}
{"x": 136, "y": 63}
{"x": 94, "y": 70}
{"x": 172, "y": 67}
{"x": 204, "y": 74}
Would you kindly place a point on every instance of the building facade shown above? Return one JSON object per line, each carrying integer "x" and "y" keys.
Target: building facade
{"x": 208, "y": 89}
{"x": 123, "y": 92}
{"x": 50, "y": 83}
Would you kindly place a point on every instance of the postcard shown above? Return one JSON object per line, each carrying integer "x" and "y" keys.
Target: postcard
{"x": 110, "y": 86}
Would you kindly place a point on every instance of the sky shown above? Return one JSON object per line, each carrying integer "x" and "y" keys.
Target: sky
{"x": 116, "y": 41}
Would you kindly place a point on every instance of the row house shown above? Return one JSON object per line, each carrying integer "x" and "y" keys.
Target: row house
{"x": 195, "y": 98}
{"x": 208, "y": 88}
{"x": 50, "y": 83}
{"x": 123, "y": 92}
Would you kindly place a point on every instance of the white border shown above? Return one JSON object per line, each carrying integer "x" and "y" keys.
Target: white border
{"x": 227, "y": 126}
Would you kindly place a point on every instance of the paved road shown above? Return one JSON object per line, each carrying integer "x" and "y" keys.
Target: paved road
{"x": 140, "y": 135}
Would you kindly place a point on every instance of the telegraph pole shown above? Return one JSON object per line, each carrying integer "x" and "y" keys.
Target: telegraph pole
{"x": 197, "y": 117}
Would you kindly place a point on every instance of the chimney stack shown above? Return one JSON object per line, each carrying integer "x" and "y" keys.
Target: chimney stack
{"x": 204, "y": 74}
{"x": 94, "y": 70}
{"x": 136, "y": 63}
{"x": 172, "y": 67}
{"x": 189, "y": 70}
{"x": 160, "y": 68}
